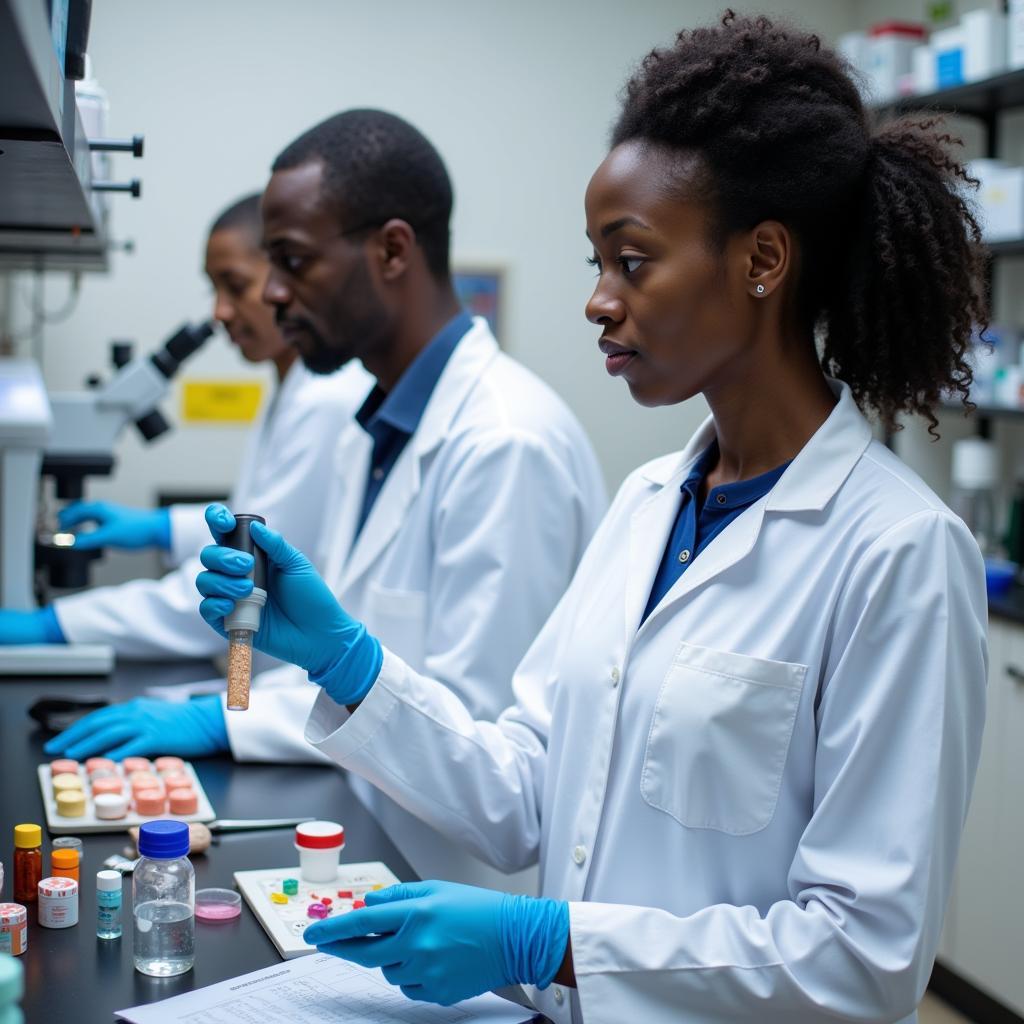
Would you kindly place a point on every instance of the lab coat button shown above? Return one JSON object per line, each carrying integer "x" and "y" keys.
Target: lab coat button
{"x": 579, "y": 854}
{"x": 615, "y": 677}
{"x": 559, "y": 996}
{"x": 721, "y": 499}
{"x": 684, "y": 556}
{"x": 378, "y": 473}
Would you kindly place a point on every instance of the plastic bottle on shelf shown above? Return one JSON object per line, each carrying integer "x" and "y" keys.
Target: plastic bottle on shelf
{"x": 975, "y": 475}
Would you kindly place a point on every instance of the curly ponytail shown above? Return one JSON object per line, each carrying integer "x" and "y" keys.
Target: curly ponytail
{"x": 893, "y": 266}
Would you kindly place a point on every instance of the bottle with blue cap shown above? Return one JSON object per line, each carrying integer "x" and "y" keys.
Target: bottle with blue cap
{"x": 164, "y": 901}
{"x": 11, "y": 986}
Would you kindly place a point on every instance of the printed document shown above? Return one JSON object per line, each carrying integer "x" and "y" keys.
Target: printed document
{"x": 316, "y": 989}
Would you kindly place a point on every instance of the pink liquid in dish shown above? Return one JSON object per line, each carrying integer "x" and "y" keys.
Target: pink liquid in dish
{"x": 217, "y": 911}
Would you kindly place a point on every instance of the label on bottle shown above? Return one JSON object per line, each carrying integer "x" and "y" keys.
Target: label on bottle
{"x": 108, "y": 910}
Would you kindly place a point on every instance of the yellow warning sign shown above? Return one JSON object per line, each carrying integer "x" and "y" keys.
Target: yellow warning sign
{"x": 220, "y": 401}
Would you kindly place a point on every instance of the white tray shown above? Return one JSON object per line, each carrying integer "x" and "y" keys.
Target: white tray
{"x": 61, "y": 826}
{"x": 285, "y": 922}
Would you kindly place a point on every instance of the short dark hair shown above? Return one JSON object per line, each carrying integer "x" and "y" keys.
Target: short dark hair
{"x": 244, "y": 214}
{"x": 893, "y": 268}
{"x": 376, "y": 167}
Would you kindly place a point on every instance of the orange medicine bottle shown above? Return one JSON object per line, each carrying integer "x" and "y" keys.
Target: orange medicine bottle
{"x": 64, "y": 863}
{"x": 28, "y": 862}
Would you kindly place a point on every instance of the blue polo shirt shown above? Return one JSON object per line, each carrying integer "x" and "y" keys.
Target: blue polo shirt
{"x": 694, "y": 531}
{"x": 391, "y": 418}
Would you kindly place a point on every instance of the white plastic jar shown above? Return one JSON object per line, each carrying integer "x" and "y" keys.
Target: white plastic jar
{"x": 13, "y": 929}
{"x": 319, "y": 844}
{"x": 58, "y": 902}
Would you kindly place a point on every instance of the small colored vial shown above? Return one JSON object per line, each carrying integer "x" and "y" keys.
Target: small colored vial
{"x": 244, "y": 620}
{"x": 28, "y": 862}
{"x": 108, "y": 904}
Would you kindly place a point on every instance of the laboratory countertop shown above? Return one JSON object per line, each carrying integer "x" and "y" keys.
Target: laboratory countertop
{"x": 70, "y": 975}
{"x": 1009, "y": 606}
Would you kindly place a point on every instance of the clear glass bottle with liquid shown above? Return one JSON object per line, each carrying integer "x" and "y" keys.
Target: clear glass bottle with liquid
{"x": 163, "y": 901}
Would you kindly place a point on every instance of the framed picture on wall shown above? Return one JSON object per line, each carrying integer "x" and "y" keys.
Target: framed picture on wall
{"x": 480, "y": 290}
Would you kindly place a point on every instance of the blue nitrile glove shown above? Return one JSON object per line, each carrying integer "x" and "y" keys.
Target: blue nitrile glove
{"x": 118, "y": 526}
{"x": 34, "y": 627}
{"x": 442, "y": 942}
{"x": 301, "y": 623}
{"x": 141, "y": 727}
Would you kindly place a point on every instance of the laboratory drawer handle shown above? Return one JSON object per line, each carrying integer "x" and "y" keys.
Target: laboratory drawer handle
{"x": 1016, "y": 674}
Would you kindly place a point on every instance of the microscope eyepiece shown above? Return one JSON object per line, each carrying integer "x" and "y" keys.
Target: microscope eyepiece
{"x": 180, "y": 346}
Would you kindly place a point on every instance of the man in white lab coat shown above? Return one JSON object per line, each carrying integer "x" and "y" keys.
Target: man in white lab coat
{"x": 465, "y": 492}
{"x": 284, "y": 472}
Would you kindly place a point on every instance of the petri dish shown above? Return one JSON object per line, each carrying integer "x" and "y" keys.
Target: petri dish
{"x": 218, "y": 905}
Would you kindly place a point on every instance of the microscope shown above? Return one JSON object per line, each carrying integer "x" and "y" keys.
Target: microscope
{"x": 64, "y": 438}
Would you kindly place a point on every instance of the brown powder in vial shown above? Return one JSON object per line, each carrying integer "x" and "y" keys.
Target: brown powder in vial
{"x": 239, "y": 675}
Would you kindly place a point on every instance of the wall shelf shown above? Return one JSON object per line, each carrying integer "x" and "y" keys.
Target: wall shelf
{"x": 982, "y": 99}
{"x": 988, "y": 411}
{"x": 1011, "y": 248}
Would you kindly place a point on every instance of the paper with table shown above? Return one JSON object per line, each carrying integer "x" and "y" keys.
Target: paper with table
{"x": 316, "y": 989}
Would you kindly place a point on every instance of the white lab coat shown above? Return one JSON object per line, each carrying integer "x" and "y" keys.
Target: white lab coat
{"x": 753, "y": 801}
{"x": 284, "y": 475}
{"x": 473, "y": 538}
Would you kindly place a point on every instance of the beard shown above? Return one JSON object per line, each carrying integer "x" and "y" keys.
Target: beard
{"x": 357, "y": 320}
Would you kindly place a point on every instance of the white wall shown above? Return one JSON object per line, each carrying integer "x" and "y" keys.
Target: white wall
{"x": 518, "y": 97}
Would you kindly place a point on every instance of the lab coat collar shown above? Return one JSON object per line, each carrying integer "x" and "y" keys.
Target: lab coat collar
{"x": 809, "y": 483}
{"x": 476, "y": 350}
{"x": 813, "y": 477}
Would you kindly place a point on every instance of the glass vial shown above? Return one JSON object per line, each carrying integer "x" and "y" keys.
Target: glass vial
{"x": 28, "y": 862}
{"x": 108, "y": 904}
{"x": 244, "y": 619}
{"x": 163, "y": 901}
{"x": 64, "y": 863}
{"x": 239, "y": 668}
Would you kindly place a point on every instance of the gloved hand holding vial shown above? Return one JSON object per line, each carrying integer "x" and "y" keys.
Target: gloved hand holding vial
{"x": 244, "y": 620}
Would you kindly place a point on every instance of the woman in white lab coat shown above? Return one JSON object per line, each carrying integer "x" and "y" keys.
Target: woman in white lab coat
{"x": 743, "y": 745}
{"x": 285, "y": 472}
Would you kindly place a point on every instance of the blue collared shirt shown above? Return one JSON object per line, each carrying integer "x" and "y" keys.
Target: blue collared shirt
{"x": 692, "y": 532}
{"x": 391, "y": 418}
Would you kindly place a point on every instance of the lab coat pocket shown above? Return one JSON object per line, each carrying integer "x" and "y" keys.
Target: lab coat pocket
{"x": 719, "y": 738}
{"x": 398, "y": 619}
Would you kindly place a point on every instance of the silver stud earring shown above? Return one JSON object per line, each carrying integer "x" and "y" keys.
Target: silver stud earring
{"x": 760, "y": 289}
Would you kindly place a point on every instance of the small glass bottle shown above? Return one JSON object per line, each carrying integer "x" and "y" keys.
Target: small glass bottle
{"x": 163, "y": 901}
{"x": 68, "y": 843}
{"x": 108, "y": 904}
{"x": 244, "y": 620}
{"x": 28, "y": 862}
{"x": 64, "y": 863}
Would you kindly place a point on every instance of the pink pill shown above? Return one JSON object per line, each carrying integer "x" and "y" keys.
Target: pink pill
{"x": 169, "y": 764}
{"x": 136, "y": 764}
{"x": 95, "y": 764}
{"x": 150, "y": 801}
{"x": 145, "y": 780}
{"x": 177, "y": 780}
{"x": 64, "y": 765}
{"x": 183, "y": 801}
{"x": 317, "y": 910}
{"x": 111, "y": 785}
